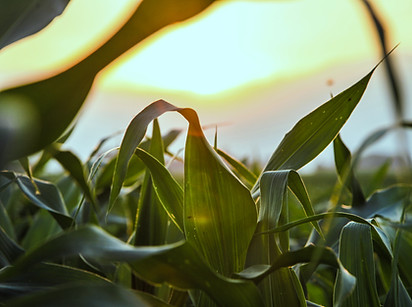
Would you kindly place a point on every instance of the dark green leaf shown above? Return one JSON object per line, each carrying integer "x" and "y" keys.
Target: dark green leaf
{"x": 47, "y": 197}
{"x": 178, "y": 264}
{"x": 356, "y": 254}
{"x": 22, "y": 18}
{"x": 72, "y": 164}
{"x": 9, "y": 250}
{"x": 81, "y": 294}
{"x": 343, "y": 163}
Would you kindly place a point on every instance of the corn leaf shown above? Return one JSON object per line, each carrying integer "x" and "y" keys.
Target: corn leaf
{"x": 219, "y": 213}
{"x": 44, "y": 109}
{"x": 309, "y": 254}
{"x": 133, "y": 136}
{"x": 281, "y": 288}
{"x": 19, "y": 19}
{"x": 5, "y": 222}
{"x": 238, "y": 167}
{"x": 9, "y": 249}
{"x": 73, "y": 165}
{"x": 313, "y": 133}
{"x": 82, "y": 294}
{"x": 169, "y": 191}
{"x": 356, "y": 254}
{"x": 178, "y": 264}
{"x": 343, "y": 163}
{"x": 46, "y": 196}
{"x": 151, "y": 225}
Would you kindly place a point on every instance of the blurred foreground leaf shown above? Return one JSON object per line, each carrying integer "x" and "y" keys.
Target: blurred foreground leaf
{"x": 34, "y": 115}
{"x": 22, "y": 18}
{"x": 179, "y": 264}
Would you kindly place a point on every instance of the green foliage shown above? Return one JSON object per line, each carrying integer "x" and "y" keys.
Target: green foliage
{"x": 122, "y": 229}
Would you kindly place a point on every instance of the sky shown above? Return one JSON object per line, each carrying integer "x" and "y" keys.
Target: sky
{"x": 235, "y": 63}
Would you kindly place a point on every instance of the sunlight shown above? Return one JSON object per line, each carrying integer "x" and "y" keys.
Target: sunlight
{"x": 232, "y": 44}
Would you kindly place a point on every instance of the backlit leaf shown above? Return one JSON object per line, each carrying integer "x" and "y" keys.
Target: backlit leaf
{"x": 313, "y": 133}
{"x": 167, "y": 188}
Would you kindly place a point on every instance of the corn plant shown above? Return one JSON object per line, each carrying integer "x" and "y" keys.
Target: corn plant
{"x": 121, "y": 229}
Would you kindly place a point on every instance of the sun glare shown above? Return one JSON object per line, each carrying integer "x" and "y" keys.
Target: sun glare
{"x": 232, "y": 44}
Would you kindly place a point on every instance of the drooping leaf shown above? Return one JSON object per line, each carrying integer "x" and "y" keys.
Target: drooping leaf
{"x": 356, "y": 254}
{"x": 47, "y": 197}
{"x": 387, "y": 203}
{"x": 343, "y": 163}
{"x": 219, "y": 213}
{"x": 19, "y": 19}
{"x": 36, "y": 114}
{"x": 132, "y": 137}
{"x": 81, "y": 294}
{"x": 178, "y": 264}
{"x": 42, "y": 276}
{"x": 9, "y": 249}
{"x": 308, "y": 254}
{"x": 310, "y": 136}
{"x": 73, "y": 165}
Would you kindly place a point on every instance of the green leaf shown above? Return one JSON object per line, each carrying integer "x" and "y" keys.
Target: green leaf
{"x": 316, "y": 217}
{"x": 313, "y": 133}
{"x": 47, "y": 197}
{"x": 178, "y": 264}
{"x": 72, "y": 164}
{"x": 6, "y": 222}
{"x": 356, "y": 254}
{"x": 168, "y": 190}
{"x": 343, "y": 162}
{"x": 152, "y": 220}
{"x": 35, "y": 115}
{"x": 42, "y": 276}
{"x": 9, "y": 249}
{"x": 132, "y": 137}
{"x": 314, "y": 255}
{"x": 22, "y": 18}
{"x": 387, "y": 203}
{"x": 238, "y": 167}
{"x": 281, "y": 288}
{"x": 82, "y": 294}
{"x": 42, "y": 227}
{"x": 219, "y": 212}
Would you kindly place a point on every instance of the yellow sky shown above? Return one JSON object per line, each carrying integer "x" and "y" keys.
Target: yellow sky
{"x": 234, "y": 43}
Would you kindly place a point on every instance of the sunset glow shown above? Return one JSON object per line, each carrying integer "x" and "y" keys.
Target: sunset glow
{"x": 232, "y": 44}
